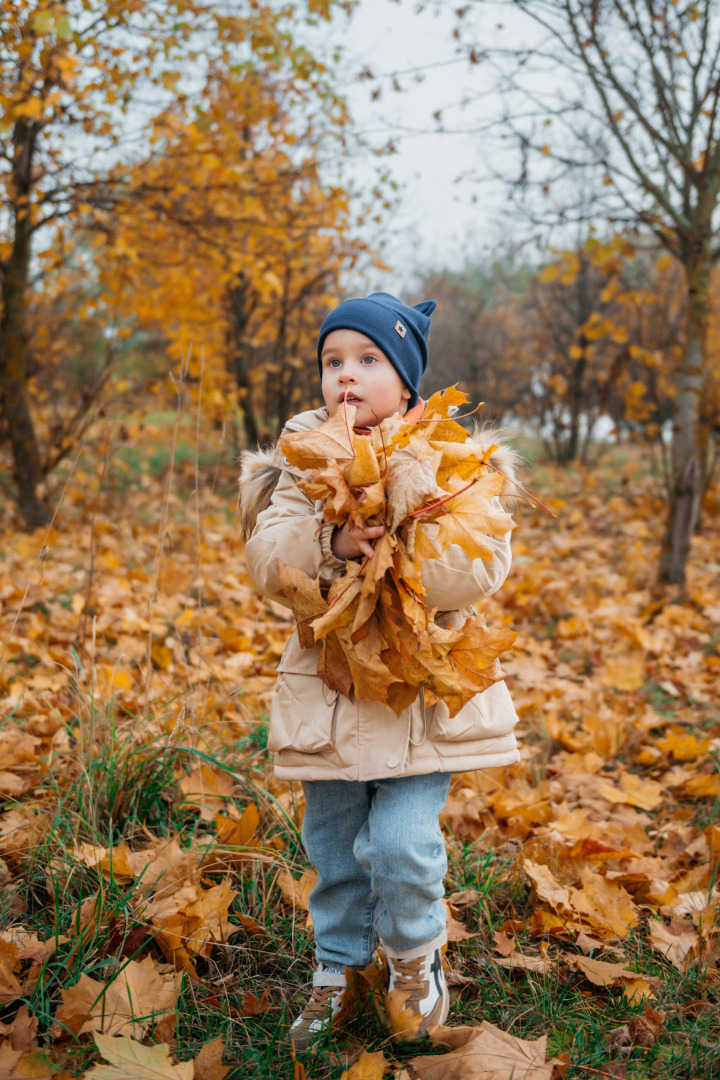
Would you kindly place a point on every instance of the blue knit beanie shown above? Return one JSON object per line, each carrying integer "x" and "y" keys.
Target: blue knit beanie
{"x": 399, "y": 330}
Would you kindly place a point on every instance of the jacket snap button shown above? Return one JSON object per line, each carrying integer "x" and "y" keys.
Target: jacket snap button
{"x": 391, "y": 763}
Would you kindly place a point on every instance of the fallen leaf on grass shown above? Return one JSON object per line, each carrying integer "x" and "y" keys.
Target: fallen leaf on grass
{"x": 646, "y": 1028}
{"x": 29, "y": 945}
{"x": 456, "y": 931}
{"x": 587, "y": 944}
{"x": 297, "y": 892}
{"x": 208, "y": 790}
{"x": 600, "y": 903}
{"x": 456, "y": 981}
{"x": 601, "y": 973}
{"x": 464, "y": 899}
{"x": 130, "y": 1060}
{"x": 137, "y": 997}
{"x": 608, "y": 904}
{"x": 503, "y": 944}
{"x": 254, "y": 1006}
{"x": 676, "y": 942}
{"x": 546, "y": 887}
{"x": 16, "y": 1065}
{"x": 10, "y": 985}
{"x": 238, "y": 833}
{"x": 635, "y": 791}
{"x": 251, "y": 925}
{"x": 626, "y": 673}
{"x": 189, "y": 922}
{"x": 21, "y": 1031}
{"x": 527, "y": 963}
{"x": 367, "y": 1067}
{"x": 484, "y": 1051}
{"x": 207, "y": 1065}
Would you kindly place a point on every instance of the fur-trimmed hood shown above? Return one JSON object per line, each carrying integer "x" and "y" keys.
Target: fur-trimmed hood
{"x": 260, "y": 469}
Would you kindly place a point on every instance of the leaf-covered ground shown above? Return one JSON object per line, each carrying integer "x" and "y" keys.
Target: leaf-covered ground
{"x": 153, "y": 886}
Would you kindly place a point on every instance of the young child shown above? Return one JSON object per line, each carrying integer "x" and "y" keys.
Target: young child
{"x": 374, "y": 782}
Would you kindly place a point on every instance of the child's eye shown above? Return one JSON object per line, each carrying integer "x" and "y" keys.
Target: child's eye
{"x": 333, "y": 363}
{"x": 369, "y": 359}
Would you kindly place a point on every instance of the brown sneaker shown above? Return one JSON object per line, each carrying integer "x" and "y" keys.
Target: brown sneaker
{"x": 417, "y": 994}
{"x": 332, "y": 1003}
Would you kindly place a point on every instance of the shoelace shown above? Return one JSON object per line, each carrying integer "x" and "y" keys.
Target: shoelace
{"x": 319, "y": 1003}
{"x": 408, "y": 974}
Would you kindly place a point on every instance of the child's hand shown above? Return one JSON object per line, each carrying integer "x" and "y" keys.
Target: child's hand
{"x": 352, "y": 540}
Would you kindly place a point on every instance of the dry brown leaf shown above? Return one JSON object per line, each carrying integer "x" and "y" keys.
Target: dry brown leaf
{"x": 136, "y": 998}
{"x": 626, "y": 673}
{"x": 678, "y": 942}
{"x": 130, "y": 1060}
{"x": 251, "y": 925}
{"x": 313, "y": 449}
{"x": 208, "y": 789}
{"x": 403, "y": 1023}
{"x": 297, "y": 891}
{"x": 411, "y": 481}
{"x": 305, "y": 598}
{"x": 233, "y": 834}
{"x": 638, "y": 990}
{"x": 469, "y": 517}
{"x": 455, "y": 930}
{"x": 190, "y": 922}
{"x": 484, "y": 1053}
{"x": 587, "y": 944}
{"x": 17, "y": 1065}
{"x": 527, "y": 963}
{"x": 645, "y": 1029}
{"x": 207, "y": 1064}
{"x": 367, "y": 1067}
{"x": 254, "y": 1006}
{"x": 10, "y": 986}
{"x": 608, "y": 904}
{"x": 635, "y": 986}
{"x": 503, "y": 944}
{"x": 29, "y": 945}
{"x": 21, "y": 1031}
{"x": 636, "y": 791}
{"x": 547, "y": 888}
{"x": 456, "y": 981}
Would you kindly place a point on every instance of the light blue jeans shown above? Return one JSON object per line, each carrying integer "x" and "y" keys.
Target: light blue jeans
{"x": 380, "y": 856}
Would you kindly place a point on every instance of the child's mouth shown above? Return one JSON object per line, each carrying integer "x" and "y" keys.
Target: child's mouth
{"x": 351, "y": 399}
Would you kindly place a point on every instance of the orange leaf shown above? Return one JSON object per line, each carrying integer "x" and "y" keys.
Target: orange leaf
{"x": 253, "y": 1006}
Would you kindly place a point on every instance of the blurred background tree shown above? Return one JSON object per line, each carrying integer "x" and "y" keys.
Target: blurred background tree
{"x": 149, "y": 152}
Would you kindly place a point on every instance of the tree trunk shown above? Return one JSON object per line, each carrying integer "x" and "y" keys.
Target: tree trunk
{"x": 27, "y": 466}
{"x": 238, "y": 349}
{"x": 686, "y": 479}
{"x": 577, "y": 401}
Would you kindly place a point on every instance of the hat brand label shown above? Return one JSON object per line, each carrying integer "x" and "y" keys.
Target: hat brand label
{"x": 400, "y": 329}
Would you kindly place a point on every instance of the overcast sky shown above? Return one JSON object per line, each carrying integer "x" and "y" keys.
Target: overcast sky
{"x": 445, "y": 212}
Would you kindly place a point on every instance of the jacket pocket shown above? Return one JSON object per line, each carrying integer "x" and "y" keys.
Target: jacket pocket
{"x": 302, "y": 714}
{"x": 488, "y": 715}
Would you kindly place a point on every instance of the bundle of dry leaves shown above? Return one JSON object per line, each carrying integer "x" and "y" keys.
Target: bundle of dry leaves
{"x": 431, "y": 486}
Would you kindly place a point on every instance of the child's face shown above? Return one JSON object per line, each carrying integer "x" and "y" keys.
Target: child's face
{"x": 354, "y": 366}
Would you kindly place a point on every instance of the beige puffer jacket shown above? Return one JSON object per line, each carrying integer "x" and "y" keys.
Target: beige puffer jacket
{"x": 318, "y": 734}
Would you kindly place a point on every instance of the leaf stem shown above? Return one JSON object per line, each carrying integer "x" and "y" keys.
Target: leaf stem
{"x": 440, "y": 502}
{"x": 347, "y": 425}
{"x": 444, "y": 419}
{"x": 524, "y": 490}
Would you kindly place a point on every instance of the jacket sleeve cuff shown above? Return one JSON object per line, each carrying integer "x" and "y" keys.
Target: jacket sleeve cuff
{"x": 329, "y": 557}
